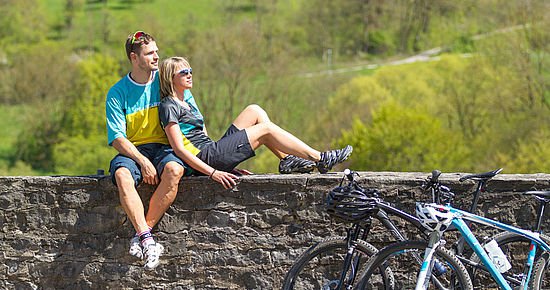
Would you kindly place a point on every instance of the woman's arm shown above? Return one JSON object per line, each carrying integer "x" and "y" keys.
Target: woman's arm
{"x": 175, "y": 138}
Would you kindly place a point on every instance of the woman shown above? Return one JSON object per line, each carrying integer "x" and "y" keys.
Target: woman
{"x": 184, "y": 126}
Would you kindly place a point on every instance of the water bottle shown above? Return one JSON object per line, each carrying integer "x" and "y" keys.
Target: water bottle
{"x": 439, "y": 269}
{"x": 497, "y": 256}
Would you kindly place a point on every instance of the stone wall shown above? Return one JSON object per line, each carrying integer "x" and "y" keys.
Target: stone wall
{"x": 71, "y": 233}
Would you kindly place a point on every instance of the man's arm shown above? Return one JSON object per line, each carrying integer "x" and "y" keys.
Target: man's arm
{"x": 116, "y": 135}
{"x": 126, "y": 148}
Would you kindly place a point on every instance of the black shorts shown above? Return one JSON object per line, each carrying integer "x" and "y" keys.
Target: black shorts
{"x": 232, "y": 149}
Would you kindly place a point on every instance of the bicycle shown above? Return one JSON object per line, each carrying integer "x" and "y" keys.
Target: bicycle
{"x": 514, "y": 246}
{"x": 333, "y": 262}
{"x": 438, "y": 218}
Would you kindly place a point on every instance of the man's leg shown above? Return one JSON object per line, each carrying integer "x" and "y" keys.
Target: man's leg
{"x": 162, "y": 198}
{"x": 165, "y": 194}
{"x": 130, "y": 199}
{"x": 133, "y": 206}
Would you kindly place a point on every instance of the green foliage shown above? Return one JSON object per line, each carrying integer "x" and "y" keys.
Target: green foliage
{"x": 37, "y": 73}
{"x": 82, "y": 147}
{"x": 85, "y": 114}
{"x": 473, "y": 101}
{"x": 531, "y": 154}
{"x": 22, "y": 21}
{"x": 79, "y": 118}
{"x": 20, "y": 168}
{"x": 82, "y": 155}
{"x": 34, "y": 143}
{"x": 400, "y": 139}
{"x": 60, "y": 58}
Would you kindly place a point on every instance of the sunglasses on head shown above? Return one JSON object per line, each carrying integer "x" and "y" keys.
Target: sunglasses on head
{"x": 137, "y": 37}
{"x": 186, "y": 71}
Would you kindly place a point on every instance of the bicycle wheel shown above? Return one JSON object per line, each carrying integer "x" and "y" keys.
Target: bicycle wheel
{"x": 516, "y": 249}
{"x": 540, "y": 273}
{"x": 321, "y": 265}
{"x": 541, "y": 270}
{"x": 404, "y": 260}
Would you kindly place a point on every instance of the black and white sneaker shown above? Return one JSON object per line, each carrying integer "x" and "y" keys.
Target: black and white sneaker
{"x": 295, "y": 164}
{"x": 333, "y": 157}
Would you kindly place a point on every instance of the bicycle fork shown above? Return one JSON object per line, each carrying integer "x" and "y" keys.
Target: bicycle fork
{"x": 351, "y": 260}
{"x": 427, "y": 264}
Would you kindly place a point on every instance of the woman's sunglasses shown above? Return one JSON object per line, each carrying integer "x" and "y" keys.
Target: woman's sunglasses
{"x": 186, "y": 71}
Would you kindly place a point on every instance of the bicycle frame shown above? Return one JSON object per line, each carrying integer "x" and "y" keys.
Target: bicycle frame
{"x": 458, "y": 220}
{"x": 357, "y": 231}
{"x": 361, "y": 232}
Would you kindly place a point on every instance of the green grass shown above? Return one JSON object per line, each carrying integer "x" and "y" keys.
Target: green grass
{"x": 162, "y": 18}
{"x": 119, "y": 18}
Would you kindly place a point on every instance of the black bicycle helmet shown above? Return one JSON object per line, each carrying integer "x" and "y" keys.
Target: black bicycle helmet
{"x": 351, "y": 203}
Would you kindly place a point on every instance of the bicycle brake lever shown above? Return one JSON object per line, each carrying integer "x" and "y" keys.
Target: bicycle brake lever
{"x": 435, "y": 175}
{"x": 349, "y": 174}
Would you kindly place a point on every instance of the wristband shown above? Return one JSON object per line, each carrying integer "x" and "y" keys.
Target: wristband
{"x": 212, "y": 174}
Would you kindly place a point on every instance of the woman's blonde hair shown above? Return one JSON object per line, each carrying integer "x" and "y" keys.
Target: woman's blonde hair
{"x": 168, "y": 68}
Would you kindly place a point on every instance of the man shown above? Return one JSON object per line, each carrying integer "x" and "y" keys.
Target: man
{"x": 134, "y": 130}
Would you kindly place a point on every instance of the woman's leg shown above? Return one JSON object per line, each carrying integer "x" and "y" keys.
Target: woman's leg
{"x": 273, "y": 136}
{"x": 261, "y": 131}
{"x": 253, "y": 115}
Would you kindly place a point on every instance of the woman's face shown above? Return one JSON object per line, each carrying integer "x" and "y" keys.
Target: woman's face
{"x": 183, "y": 78}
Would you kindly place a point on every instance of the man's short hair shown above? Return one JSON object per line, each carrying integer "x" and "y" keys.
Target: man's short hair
{"x": 136, "y": 40}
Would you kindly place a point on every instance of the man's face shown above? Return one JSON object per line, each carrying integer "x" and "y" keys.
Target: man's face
{"x": 148, "y": 57}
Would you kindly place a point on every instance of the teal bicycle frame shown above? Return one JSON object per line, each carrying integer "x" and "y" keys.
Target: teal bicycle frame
{"x": 458, "y": 220}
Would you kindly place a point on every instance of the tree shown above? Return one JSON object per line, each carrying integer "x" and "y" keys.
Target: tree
{"x": 73, "y": 123}
{"x": 83, "y": 143}
{"x": 22, "y": 22}
{"x": 400, "y": 139}
{"x": 40, "y": 73}
{"x": 530, "y": 154}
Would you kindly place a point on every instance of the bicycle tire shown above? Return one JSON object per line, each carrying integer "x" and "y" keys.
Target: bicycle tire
{"x": 402, "y": 259}
{"x": 516, "y": 248}
{"x": 541, "y": 276}
{"x": 319, "y": 267}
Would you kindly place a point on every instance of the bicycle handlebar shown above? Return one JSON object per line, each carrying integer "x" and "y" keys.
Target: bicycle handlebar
{"x": 440, "y": 193}
{"x": 350, "y": 176}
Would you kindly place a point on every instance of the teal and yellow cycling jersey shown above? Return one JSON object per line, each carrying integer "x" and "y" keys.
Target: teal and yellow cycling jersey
{"x": 132, "y": 112}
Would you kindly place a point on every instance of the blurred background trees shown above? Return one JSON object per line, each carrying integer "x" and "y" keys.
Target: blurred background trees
{"x": 327, "y": 71}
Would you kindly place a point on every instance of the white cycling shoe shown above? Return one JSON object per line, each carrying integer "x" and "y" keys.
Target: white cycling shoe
{"x": 152, "y": 253}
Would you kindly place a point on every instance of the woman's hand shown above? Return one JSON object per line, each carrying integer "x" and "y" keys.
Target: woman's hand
{"x": 227, "y": 179}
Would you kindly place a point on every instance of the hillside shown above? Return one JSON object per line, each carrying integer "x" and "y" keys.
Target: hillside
{"x": 331, "y": 72}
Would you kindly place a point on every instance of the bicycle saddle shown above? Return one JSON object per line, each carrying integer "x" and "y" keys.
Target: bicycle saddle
{"x": 541, "y": 195}
{"x": 481, "y": 176}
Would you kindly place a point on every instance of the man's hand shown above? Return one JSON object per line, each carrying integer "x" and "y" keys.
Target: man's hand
{"x": 149, "y": 172}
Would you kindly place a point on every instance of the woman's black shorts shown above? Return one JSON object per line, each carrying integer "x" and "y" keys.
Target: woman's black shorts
{"x": 228, "y": 152}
